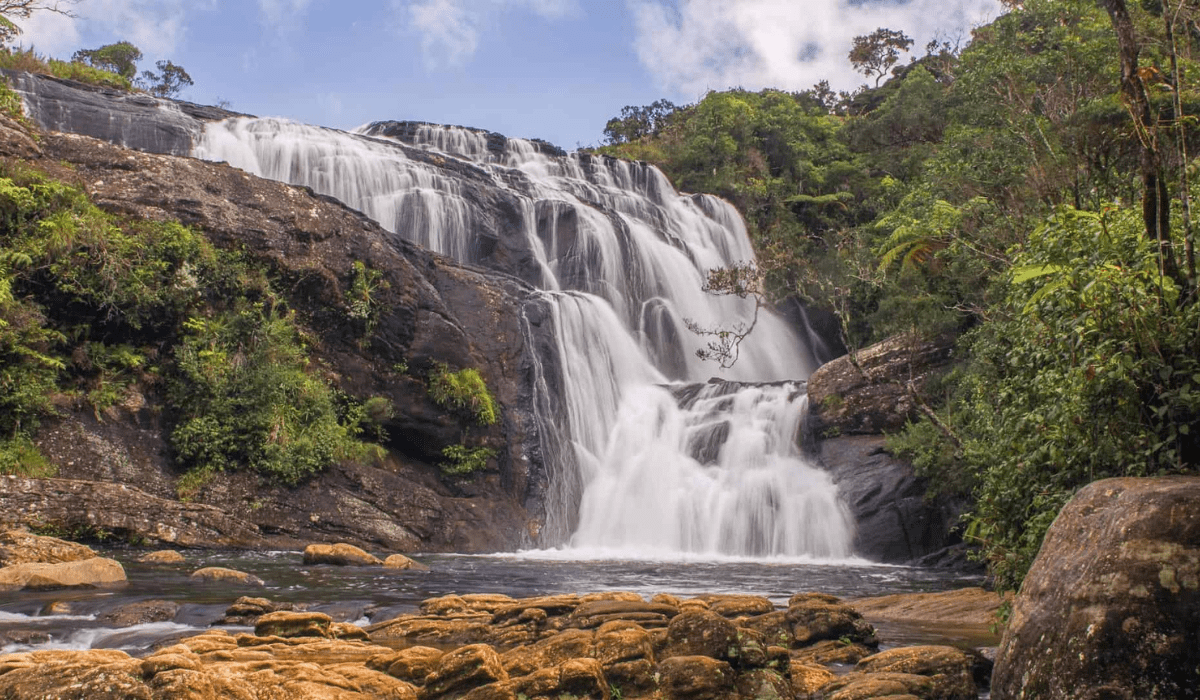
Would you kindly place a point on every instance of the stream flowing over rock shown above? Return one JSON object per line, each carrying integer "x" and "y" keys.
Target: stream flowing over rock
{"x": 570, "y": 282}
{"x": 1110, "y": 608}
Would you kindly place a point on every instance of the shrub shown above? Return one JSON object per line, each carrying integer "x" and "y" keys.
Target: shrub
{"x": 20, "y": 457}
{"x": 462, "y": 460}
{"x": 463, "y": 392}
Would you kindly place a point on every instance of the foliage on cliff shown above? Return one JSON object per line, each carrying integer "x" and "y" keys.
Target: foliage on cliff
{"x": 96, "y": 310}
{"x": 990, "y": 191}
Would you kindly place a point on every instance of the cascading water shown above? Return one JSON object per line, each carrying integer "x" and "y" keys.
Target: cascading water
{"x": 655, "y": 463}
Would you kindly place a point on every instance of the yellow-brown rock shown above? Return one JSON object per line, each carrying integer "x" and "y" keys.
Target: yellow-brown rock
{"x": 82, "y": 573}
{"x": 860, "y": 686}
{"x": 950, "y": 670}
{"x": 463, "y": 670}
{"x": 568, "y": 644}
{"x": 401, "y": 562}
{"x": 21, "y": 547}
{"x": 808, "y": 678}
{"x": 165, "y": 556}
{"x": 413, "y": 664}
{"x": 218, "y": 574}
{"x": 965, "y": 606}
{"x": 696, "y": 678}
{"x": 293, "y": 624}
{"x": 340, "y": 554}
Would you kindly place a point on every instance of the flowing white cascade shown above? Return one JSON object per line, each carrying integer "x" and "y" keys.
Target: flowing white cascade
{"x": 623, "y": 259}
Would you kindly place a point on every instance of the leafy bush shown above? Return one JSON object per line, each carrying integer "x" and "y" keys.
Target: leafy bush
{"x": 463, "y": 392}
{"x": 20, "y": 457}
{"x": 247, "y": 397}
{"x": 462, "y": 460}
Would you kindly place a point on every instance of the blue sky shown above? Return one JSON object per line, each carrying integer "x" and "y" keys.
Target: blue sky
{"x": 551, "y": 69}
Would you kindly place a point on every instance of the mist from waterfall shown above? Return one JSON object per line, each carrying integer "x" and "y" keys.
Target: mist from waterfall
{"x": 653, "y": 462}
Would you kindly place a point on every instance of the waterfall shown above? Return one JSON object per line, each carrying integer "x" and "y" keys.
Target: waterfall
{"x": 645, "y": 458}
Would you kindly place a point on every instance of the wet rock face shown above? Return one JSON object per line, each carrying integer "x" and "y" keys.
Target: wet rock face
{"x": 132, "y": 120}
{"x": 1111, "y": 606}
{"x": 894, "y": 521}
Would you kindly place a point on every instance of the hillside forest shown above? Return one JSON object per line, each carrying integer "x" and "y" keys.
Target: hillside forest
{"x": 1026, "y": 193}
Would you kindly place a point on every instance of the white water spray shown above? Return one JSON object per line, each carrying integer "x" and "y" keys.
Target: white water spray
{"x": 622, "y": 258}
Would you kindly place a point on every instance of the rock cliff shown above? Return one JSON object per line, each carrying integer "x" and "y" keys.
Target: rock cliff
{"x": 433, "y": 310}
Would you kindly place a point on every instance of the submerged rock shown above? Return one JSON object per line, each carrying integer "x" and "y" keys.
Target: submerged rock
{"x": 166, "y": 556}
{"x": 1111, "y": 606}
{"x": 221, "y": 574}
{"x": 340, "y": 554}
{"x": 401, "y": 562}
{"x": 140, "y": 613}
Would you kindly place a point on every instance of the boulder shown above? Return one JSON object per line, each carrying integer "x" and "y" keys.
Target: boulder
{"x": 293, "y": 624}
{"x": 462, "y": 670}
{"x": 340, "y": 554}
{"x": 399, "y": 561}
{"x": 950, "y": 670}
{"x": 165, "y": 556}
{"x": 21, "y": 547}
{"x": 86, "y": 573}
{"x": 872, "y": 397}
{"x": 220, "y": 574}
{"x": 807, "y": 679}
{"x": 893, "y": 686}
{"x": 246, "y": 610}
{"x": 702, "y": 633}
{"x": 815, "y": 618}
{"x": 140, "y": 613}
{"x": 696, "y": 678}
{"x": 413, "y": 664}
{"x": 1111, "y": 605}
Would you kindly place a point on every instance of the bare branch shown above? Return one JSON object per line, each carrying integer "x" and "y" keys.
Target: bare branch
{"x": 742, "y": 280}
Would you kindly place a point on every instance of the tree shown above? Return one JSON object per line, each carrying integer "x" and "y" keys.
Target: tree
{"x": 120, "y": 58}
{"x": 23, "y": 9}
{"x": 876, "y": 53}
{"x": 636, "y": 122}
{"x": 168, "y": 82}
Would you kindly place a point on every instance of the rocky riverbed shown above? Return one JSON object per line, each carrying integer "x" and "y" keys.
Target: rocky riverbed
{"x": 606, "y": 644}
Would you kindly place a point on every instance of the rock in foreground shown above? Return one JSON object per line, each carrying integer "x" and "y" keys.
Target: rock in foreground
{"x": 493, "y": 647}
{"x": 1111, "y": 606}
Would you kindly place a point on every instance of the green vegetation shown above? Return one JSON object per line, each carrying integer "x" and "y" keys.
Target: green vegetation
{"x": 1030, "y": 192}
{"x": 461, "y": 460}
{"x": 463, "y": 392}
{"x": 361, "y": 300}
{"x": 95, "y": 308}
{"x": 120, "y": 58}
{"x": 27, "y": 60}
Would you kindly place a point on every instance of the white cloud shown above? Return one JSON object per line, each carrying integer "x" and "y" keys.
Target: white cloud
{"x": 450, "y": 29}
{"x": 283, "y": 15}
{"x": 691, "y": 46}
{"x": 154, "y": 26}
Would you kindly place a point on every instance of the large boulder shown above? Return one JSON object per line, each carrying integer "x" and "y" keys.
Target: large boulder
{"x": 21, "y": 547}
{"x": 85, "y": 573}
{"x": 871, "y": 395}
{"x": 1111, "y": 606}
{"x": 340, "y": 554}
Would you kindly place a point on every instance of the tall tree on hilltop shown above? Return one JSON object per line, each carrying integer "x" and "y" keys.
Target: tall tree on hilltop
{"x": 876, "y": 53}
{"x": 120, "y": 58}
